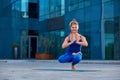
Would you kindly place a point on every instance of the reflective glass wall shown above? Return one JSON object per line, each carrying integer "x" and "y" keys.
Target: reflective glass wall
{"x": 54, "y": 40}
{"x": 99, "y": 22}
{"x": 112, "y": 28}
{"x": 13, "y": 19}
{"x": 51, "y": 8}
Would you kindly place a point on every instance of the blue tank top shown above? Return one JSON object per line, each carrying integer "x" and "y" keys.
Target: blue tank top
{"x": 74, "y": 47}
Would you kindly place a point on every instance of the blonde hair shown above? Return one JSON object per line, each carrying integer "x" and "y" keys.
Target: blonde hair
{"x": 73, "y": 22}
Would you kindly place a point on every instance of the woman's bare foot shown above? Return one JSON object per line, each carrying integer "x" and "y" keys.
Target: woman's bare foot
{"x": 73, "y": 67}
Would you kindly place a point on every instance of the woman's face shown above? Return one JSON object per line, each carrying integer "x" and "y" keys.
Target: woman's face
{"x": 74, "y": 28}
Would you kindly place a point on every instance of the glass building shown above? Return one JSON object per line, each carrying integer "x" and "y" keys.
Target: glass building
{"x": 26, "y": 22}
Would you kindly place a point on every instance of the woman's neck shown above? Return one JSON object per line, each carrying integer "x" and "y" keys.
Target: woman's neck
{"x": 74, "y": 33}
{"x": 74, "y": 36}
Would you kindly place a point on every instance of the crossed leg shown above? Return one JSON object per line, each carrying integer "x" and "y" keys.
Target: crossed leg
{"x": 70, "y": 58}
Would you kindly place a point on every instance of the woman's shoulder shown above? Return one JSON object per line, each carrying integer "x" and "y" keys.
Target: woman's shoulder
{"x": 67, "y": 37}
{"x": 81, "y": 36}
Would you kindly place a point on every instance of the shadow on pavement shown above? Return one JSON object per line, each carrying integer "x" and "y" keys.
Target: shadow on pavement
{"x": 67, "y": 70}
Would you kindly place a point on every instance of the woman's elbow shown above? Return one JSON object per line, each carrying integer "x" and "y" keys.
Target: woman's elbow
{"x": 86, "y": 44}
{"x": 63, "y": 47}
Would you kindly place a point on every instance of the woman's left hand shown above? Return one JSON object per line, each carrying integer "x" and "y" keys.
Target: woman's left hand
{"x": 77, "y": 42}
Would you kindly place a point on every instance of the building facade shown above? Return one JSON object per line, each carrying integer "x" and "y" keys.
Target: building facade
{"x": 25, "y": 22}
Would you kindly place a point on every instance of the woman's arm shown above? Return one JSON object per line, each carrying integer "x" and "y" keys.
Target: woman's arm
{"x": 65, "y": 43}
{"x": 83, "y": 42}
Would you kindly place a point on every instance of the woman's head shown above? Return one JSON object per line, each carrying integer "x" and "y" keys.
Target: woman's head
{"x": 74, "y": 26}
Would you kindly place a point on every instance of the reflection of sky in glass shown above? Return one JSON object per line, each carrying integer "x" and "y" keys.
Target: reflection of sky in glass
{"x": 62, "y": 34}
{"x": 24, "y": 5}
{"x": 62, "y": 7}
{"x": 109, "y": 38}
{"x": 16, "y": 6}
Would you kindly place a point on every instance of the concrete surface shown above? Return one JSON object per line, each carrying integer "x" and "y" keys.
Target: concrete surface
{"x": 53, "y": 70}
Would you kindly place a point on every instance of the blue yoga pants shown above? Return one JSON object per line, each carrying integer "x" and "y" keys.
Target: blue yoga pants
{"x": 70, "y": 58}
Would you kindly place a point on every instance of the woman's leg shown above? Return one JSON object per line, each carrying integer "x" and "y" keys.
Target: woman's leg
{"x": 76, "y": 59}
{"x": 65, "y": 58}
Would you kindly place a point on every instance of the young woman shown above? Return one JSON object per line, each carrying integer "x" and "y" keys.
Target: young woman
{"x": 73, "y": 42}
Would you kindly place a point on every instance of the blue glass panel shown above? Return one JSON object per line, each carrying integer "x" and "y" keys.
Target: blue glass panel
{"x": 96, "y": 2}
{"x": 117, "y": 7}
{"x": 88, "y": 14}
{"x": 96, "y": 12}
{"x": 108, "y": 10}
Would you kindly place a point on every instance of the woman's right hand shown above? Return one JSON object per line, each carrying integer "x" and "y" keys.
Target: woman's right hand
{"x": 71, "y": 42}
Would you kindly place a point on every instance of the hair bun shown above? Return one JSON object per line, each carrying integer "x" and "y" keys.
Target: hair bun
{"x": 74, "y": 21}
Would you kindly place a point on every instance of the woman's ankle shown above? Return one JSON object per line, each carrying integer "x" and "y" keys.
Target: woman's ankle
{"x": 73, "y": 67}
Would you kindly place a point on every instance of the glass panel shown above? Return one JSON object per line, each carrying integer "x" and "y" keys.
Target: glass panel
{"x": 56, "y": 39}
{"x": 81, "y": 4}
{"x": 76, "y": 4}
{"x": 106, "y": 0}
{"x": 24, "y": 8}
{"x": 43, "y": 9}
{"x": 117, "y": 38}
{"x": 95, "y": 2}
{"x": 88, "y": 14}
{"x": 95, "y": 12}
{"x": 109, "y": 38}
{"x": 62, "y": 7}
{"x": 24, "y": 45}
{"x": 51, "y": 8}
{"x": 116, "y": 8}
{"x": 108, "y": 10}
{"x": 87, "y": 3}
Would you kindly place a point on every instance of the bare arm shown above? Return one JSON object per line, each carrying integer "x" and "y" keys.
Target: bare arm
{"x": 65, "y": 43}
{"x": 83, "y": 42}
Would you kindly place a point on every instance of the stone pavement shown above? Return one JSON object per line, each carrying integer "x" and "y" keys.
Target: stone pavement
{"x": 53, "y": 70}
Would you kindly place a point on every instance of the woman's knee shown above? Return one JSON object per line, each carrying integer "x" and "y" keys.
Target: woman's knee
{"x": 61, "y": 59}
{"x": 64, "y": 58}
{"x": 77, "y": 58}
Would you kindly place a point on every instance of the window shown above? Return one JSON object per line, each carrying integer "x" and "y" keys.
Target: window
{"x": 109, "y": 38}
{"x": 106, "y": 0}
{"x": 95, "y": 12}
{"x": 56, "y": 38}
{"x": 75, "y": 4}
{"x": 108, "y": 10}
{"x": 43, "y": 9}
{"x": 87, "y": 3}
{"x": 24, "y": 8}
{"x": 51, "y": 8}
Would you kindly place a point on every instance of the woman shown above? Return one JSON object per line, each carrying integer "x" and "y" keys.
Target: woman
{"x": 73, "y": 42}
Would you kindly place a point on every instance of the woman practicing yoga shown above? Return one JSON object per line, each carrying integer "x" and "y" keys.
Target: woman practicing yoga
{"x": 73, "y": 44}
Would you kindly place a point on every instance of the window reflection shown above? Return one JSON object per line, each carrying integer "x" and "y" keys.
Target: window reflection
{"x": 108, "y": 10}
{"x": 51, "y": 8}
{"x": 78, "y": 4}
{"x": 56, "y": 38}
{"x": 20, "y": 7}
{"x": 87, "y": 3}
{"x": 24, "y": 8}
{"x": 109, "y": 38}
{"x": 117, "y": 38}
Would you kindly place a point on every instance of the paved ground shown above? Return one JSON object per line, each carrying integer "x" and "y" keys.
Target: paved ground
{"x": 53, "y": 70}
